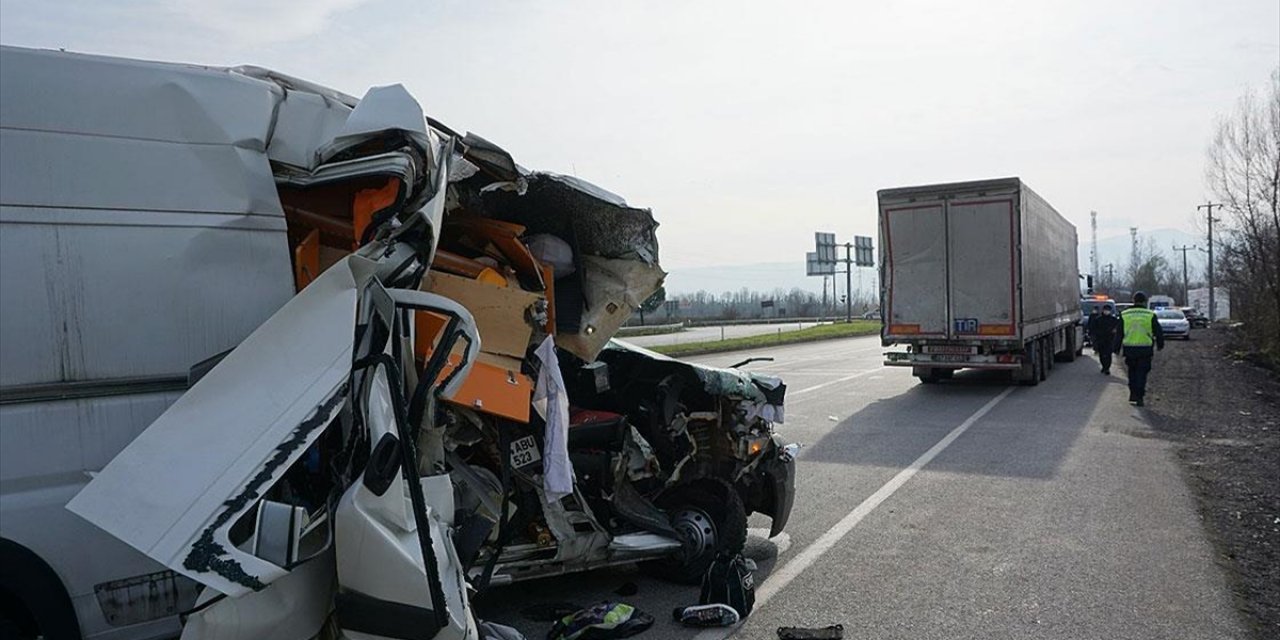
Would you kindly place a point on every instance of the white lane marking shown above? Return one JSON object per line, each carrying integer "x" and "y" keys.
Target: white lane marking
{"x": 792, "y": 394}
{"x": 779, "y": 579}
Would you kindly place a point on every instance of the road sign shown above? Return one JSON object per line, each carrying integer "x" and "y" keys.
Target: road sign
{"x": 863, "y": 254}
{"x": 826, "y": 245}
{"x": 812, "y": 267}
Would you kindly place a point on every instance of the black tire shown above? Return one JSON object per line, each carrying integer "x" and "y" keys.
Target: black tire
{"x": 32, "y": 596}
{"x": 1044, "y": 360}
{"x": 944, "y": 374}
{"x": 716, "y": 509}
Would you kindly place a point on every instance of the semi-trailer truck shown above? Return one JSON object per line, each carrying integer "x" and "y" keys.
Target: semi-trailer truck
{"x": 977, "y": 275}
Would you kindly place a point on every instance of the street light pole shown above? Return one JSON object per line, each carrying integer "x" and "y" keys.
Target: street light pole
{"x": 1184, "y": 249}
{"x": 1213, "y": 310}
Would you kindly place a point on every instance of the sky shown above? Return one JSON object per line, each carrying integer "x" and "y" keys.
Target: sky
{"x": 747, "y": 126}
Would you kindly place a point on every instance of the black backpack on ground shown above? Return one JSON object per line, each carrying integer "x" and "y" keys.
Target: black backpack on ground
{"x": 729, "y": 581}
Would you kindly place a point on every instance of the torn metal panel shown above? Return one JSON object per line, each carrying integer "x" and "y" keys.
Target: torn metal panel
{"x": 305, "y": 121}
{"x": 595, "y": 221}
{"x": 383, "y": 111}
{"x": 615, "y": 289}
{"x": 490, "y": 158}
{"x": 295, "y": 607}
{"x": 206, "y": 460}
{"x": 730, "y": 383}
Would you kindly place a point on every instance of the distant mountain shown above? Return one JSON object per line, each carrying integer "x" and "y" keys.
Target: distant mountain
{"x": 767, "y": 276}
{"x": 1116, "y": 250}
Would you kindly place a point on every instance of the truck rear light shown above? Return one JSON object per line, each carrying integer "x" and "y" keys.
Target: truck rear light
{"x": 1006, "y": 359}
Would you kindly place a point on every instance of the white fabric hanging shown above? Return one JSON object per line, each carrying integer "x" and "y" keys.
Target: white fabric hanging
{"x": 551, "y": 401}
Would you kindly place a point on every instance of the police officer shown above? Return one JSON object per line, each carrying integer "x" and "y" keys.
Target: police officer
{"x": 1103, "y": 329}
{"x": 1141, "y": 336}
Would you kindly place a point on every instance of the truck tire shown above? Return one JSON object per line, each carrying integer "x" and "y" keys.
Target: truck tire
{"x": 1049, "y": 356}
{"x": 1044, "y": 359}
{"x": 1070, "y": 354}
{"x": 1029, "y": 374}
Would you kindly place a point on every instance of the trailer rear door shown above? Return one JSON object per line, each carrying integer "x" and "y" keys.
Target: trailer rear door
{"x": 916, "y": 273}
{"x": 982, "y": 234}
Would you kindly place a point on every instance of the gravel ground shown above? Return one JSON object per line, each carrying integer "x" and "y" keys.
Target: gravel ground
{"x": 1224, "y": 413}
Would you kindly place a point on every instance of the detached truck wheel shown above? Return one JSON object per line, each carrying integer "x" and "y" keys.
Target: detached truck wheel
{"x": 709, "y": 518}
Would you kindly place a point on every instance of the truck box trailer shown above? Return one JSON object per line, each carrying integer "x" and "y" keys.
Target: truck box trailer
{"x": 977, "y": 275}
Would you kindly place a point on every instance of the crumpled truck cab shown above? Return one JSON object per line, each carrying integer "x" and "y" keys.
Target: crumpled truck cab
{"x": 438, "y": 406}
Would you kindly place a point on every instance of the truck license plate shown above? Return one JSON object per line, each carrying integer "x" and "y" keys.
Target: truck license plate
{"x": 524, "y": 452}
{"x": 949, "y": 358}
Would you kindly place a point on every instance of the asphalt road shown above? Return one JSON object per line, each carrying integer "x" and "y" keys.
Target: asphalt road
{"x": 968, "y": 509}
{"x": 702, "y": 334}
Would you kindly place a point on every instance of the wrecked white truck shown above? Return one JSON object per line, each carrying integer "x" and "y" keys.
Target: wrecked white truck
{"x": 431, "y": 403}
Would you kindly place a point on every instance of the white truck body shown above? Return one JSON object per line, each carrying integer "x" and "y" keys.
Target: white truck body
{"x": 977, "y": 275}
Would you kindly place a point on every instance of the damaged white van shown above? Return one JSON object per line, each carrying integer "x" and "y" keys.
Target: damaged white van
{"x": 329, "y": 366}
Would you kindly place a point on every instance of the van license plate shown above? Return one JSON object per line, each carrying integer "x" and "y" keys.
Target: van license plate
{"x": 524, "y": 452}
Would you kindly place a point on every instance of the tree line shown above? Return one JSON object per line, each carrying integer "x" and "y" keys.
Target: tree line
{"x": 749, "y": 304}
{"x": 1243, "y": 174}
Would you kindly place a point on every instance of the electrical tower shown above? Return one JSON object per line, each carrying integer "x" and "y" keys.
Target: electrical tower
{"x": 1133, "y": 251}
{"x": 1093, "y": 244}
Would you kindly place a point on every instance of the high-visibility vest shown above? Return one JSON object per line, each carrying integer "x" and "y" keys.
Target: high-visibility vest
{"x": 1137, "y": 327}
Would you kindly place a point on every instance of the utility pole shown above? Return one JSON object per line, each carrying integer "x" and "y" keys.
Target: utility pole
{"x": 1111, "y": 268}
{"x": 848, "y": 282}
{"x": 1184, "y": 249}
{"x": 1213, "y": 310}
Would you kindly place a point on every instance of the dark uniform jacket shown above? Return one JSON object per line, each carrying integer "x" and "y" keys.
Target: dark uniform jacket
{"x": 1104, "y": 331}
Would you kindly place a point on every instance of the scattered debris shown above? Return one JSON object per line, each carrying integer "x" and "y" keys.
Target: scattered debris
{"x": 832, "y": 632}
{"x": 729, "y": 581}
{"x": 706, "y": 615}
{"x": 603, "y": 621}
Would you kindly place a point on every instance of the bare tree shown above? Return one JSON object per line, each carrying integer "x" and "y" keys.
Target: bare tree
{"x": 1243, "y": 173}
